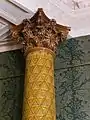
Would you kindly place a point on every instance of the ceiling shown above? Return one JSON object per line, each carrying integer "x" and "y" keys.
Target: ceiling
{"x": 73, "y": 13}
{"x": 76, "y": 4}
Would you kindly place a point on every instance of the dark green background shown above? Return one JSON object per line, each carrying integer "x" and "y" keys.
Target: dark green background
{"x": 11, "y": 84}
{"x": 72, "y": 79}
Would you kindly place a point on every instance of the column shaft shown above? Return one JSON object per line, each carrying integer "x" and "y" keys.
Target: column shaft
{"x": 39, "y": 93}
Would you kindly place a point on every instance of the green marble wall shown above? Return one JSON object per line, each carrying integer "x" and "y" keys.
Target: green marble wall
{"x": 11, "y": 84}
{"x": 72, "y": 79}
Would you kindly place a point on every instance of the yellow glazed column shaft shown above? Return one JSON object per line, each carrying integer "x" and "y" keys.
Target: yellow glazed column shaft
{"x": 39, "y": 93}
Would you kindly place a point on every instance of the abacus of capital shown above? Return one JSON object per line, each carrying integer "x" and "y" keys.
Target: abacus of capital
{"x": 40, "y": 37}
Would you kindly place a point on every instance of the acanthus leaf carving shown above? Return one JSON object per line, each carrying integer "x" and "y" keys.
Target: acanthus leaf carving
{"x": 39, "y": 31}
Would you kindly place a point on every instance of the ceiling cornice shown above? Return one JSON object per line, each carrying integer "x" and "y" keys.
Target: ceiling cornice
{"x": 9, "y": 46}
{"x": 12, "y": 13}
{"x": 20, "y": 6}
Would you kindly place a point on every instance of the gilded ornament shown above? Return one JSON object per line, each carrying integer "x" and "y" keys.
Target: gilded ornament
{"x": 39, "y": 31}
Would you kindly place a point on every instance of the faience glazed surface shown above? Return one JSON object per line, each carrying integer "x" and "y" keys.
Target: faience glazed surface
{"x": 39, "y": 94}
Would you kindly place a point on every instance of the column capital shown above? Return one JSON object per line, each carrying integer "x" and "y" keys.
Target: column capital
{"x": 39, "y": 31}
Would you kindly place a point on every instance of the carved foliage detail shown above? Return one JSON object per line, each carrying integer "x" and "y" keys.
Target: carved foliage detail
{"x": 39, "y": 31}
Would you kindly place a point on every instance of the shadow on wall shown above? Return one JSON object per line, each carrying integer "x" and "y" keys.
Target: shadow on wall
{"x": 72, "y": 79}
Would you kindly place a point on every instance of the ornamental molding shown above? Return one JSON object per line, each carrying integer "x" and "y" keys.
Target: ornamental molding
{"x": 10, "y": 13}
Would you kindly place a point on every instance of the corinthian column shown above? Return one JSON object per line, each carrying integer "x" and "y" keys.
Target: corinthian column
{"x": 40, "y": 36}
